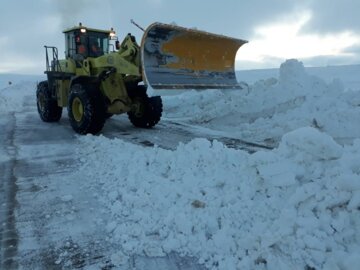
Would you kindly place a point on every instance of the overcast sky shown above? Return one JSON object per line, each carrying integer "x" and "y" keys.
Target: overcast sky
{"x": 318, "y": 32}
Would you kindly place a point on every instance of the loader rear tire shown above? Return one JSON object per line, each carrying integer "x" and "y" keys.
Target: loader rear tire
{"x": 148, "y": 112}
{"x": 47, "y": 106}
{"x": 86, "y": 109}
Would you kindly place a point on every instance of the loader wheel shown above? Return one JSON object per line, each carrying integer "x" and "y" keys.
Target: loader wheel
{"x": 47, "y": 106}
{"x": 147, "y": 112}
{"x": 86, "y": 109}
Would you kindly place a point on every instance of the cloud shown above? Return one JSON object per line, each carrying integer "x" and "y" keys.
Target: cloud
{"x": 354, "y": 50}
{"x": 286, "y": 39}
{"x": 231, "y": 17}
{"x": 25, "y": 30}
{"x": 330, "y": 60}
{"x": 70, "y": 10}
{"x": 333, "y": 16}
{"x": 18, "y": 63}
{"x": 155, "y": 2}
{"x": 3, "y": 42}
{"x": 86, "y": 11}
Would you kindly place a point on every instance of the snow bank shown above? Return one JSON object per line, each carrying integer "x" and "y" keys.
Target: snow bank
{"x": 272, "y": 107}
{"x": 289, "y": 208}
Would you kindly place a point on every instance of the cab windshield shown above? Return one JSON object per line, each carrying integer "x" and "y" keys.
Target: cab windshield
{"x": 88, "y": 44}
{"x": 98, "y": 44}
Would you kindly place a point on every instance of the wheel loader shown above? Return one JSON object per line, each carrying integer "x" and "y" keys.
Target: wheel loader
{"x": 101, "y": 76}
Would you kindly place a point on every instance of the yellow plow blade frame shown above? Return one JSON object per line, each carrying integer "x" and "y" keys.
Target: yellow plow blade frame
{"x": 174, "y": 57}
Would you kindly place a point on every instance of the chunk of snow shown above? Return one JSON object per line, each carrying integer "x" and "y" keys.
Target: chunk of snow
{"x": 312, "y": 142}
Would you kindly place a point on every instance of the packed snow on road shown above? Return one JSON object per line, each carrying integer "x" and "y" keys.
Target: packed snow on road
{"x": 292, "y": 205}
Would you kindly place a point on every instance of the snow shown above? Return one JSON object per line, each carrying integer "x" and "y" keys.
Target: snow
{"x": 13, "y": 88}
{"x": 294, "y": 207}
{"x": 263, "y": 110}
{"x": 297, "y": 204}
{"x": 347, "y": 74}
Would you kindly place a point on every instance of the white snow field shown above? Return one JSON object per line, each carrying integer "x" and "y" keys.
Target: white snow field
{"x": 296, "y": 206}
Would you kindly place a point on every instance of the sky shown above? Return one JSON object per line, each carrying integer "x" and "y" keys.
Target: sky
{"x": 317, "y": 32}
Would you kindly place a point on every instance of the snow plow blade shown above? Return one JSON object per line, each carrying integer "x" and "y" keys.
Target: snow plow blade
{"x": 174, "y": 57}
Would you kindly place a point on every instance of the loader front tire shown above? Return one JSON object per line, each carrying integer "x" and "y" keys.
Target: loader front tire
{"x": 86, "y": 109}
{"x": 147, "y": 112}
{"x": 47, "y": 106}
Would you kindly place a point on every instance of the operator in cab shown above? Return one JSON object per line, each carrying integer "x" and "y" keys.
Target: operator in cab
{"x": 95, "y": 49}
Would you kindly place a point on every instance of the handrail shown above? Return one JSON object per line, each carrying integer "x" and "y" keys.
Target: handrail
{"x": 55, "y": 64}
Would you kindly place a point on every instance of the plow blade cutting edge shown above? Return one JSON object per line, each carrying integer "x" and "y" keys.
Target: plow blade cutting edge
{"x": 174, "y": 57}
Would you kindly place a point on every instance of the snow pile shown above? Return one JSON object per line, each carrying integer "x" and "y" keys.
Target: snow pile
{"x": 293, "y": 207}
{"x": 348, "y": 74}
{"x": 273, "y": 107}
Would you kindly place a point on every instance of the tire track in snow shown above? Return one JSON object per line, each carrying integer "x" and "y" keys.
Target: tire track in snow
{"x": 169, "y": 133}
{"x": 8, "y": 234}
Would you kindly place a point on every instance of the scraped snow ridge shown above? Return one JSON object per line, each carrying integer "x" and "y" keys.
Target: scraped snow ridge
{"x": 295, "y": 207}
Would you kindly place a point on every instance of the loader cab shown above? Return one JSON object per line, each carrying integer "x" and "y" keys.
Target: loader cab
{"x": 83, "y": 42}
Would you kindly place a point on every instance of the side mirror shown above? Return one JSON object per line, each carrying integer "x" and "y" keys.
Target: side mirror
{"x": 117, "y": 45}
